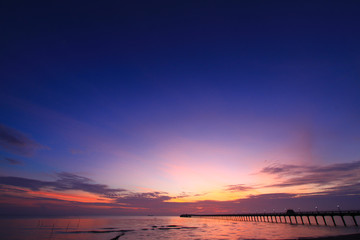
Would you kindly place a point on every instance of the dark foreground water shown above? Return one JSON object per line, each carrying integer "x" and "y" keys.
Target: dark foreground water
{"x": 89, "y": 228}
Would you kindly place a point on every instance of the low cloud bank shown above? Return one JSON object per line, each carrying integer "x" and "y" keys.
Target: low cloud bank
{"x": 17, "y": 195}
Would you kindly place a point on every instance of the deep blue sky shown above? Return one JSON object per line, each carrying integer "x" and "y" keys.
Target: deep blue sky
{"x": 157, "y": 88}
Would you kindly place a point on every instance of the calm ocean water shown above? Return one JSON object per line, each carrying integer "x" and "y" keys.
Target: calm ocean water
{"x": 89, "y": 228}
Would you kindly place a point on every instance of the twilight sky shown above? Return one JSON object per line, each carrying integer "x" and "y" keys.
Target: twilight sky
{"x": 170, "y": 107}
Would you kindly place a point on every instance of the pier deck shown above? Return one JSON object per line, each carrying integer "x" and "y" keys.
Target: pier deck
{"x": 292, "y": 217}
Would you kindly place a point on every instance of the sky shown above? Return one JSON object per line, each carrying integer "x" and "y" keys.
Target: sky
{"x": 172, "y": 107}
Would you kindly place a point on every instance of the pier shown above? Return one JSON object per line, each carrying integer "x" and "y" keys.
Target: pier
{"x": 327, "y": 218}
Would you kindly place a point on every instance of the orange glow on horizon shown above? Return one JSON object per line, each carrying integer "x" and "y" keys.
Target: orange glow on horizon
{"x": 77, "y": 196}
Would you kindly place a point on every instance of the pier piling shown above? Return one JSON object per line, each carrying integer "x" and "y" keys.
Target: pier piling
{"x": 282, "y": 217}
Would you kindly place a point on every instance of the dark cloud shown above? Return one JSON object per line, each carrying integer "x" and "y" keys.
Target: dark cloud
{"x": 333, "y": 177}
{"x": 12, "y": 161}
{"x": 32, "y": 184}
{"x": 238, "y": 188}
{"x": 68, "y": 181}
{"x": 149, "y": 203}
{"x": 65, "y": 181}
{"x": 16, "y": 142}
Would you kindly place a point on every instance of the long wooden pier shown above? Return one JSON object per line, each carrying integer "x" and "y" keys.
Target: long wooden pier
{"x": 326, "y": 218}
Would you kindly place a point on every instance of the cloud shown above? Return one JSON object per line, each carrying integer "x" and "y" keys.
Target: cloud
{"x": 12, "y": 161}
{"x": 333, "y": 177}
{"x": 16, "y": 142}
{"x": 269, "y": 196}
{"x": 32, "y": 184}
{"x": 65, "y": 181}
{"x": 68, "y": 181}
{"x": 350, "y": 189}
{"x": 183, "y": 195}
{"x": 15, "y": 188}
{"x": 238, "y": 188}
{"x": 148, "y": 199}
{"x": 282, "y": 169}
{"x": 18, "y": 198}
{"x": 339, "y": 184}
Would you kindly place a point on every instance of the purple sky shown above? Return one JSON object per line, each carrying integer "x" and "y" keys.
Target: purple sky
{"x": 167, "y": 107}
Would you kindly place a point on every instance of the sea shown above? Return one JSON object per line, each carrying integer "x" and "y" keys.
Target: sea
{"x": 157, "y": 227}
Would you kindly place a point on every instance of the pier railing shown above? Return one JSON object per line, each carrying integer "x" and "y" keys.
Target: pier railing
{"x": 290, "y": 216}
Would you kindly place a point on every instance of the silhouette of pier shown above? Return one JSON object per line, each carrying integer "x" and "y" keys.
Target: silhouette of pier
{"x": 327, "y": 218}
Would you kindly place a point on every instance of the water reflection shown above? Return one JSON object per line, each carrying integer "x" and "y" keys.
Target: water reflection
{"x": 91, "y": 228}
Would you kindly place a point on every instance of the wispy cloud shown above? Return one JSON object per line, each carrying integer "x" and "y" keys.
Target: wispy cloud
{"x": 65, "y": 181}
{"x": 17, "y": 142}
{"x": 349, "y": 189}
{"x": 238, "y": 188}
{"x": 32, "y": 184}
{"x": 149, "y": 199}
{"x": 333, "y": 177}
{"x": 268, "y": 196}
{"x": 283, "y": 169}
{"x": 12, "y": 161}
